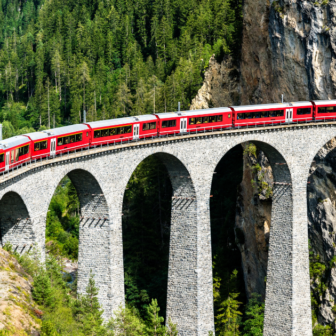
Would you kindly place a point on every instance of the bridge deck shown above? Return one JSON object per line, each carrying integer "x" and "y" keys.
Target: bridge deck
{"x": 19, "y": 170}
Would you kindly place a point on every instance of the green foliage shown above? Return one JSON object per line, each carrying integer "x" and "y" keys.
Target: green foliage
{"x": 228, "y": 317}
{"x": 146, "y": 223}
{"x": 127, "y": 322}
{"x": 109, "y": 58}
{"x": 253, "y": 324}
{"x": 154, "y": 320}
{"x": 323, "y": 331}
{"x": 63, "y": 221}
{"x": 319, "y": 272}
{"x": 250, "y": 149}
{"x": 48, "y": 329}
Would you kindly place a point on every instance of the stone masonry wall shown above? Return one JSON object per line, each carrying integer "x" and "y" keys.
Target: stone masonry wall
{"x": 196, "y": 156}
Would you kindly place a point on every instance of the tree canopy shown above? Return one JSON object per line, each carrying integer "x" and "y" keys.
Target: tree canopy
{"x": 108, "y": 57}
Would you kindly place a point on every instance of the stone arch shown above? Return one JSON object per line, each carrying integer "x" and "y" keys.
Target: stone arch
{"x": 182, "y": 304}
{"x": 283, "y": 292}
{"x": 95, "y": 237}
{"x": 16, "y": 225}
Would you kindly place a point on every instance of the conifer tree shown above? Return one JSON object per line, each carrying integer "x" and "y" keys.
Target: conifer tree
{"x": 154, "y": 320}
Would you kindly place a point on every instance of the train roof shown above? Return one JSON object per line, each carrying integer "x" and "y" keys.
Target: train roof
{"x": 36, "y": 135}
{"x": 324, "y": 102}
{"x": 65, "y": 130}
{"x": 270, "y": 106}
{"x": 13, "y": 142}
{"x": 193, "y": 112}
{"x": 121, "y": 121}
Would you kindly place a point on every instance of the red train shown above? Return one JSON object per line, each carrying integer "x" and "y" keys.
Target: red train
{"x": 20, "y": 149}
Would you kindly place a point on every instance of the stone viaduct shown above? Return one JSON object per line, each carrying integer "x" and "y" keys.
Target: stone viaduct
{"x": 100, "y": 176}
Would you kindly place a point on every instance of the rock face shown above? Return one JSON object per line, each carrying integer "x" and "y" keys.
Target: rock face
{"x": 220, "y": 86}
{"x": 288, "y": 48}
{"x": 322, "y": 229}
{"x": 253, "y": 219}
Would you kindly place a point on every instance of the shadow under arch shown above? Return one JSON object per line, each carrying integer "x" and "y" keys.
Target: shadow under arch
{"x": 94, "y": 249}
{"x": 279, "y": 301}
{"x": 16, "y": 226}
{"x": 181, "y": 304}
{"x": 321, "y": 204}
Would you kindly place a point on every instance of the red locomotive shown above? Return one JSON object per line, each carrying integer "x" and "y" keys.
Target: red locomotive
{"x": 18, "y": 150}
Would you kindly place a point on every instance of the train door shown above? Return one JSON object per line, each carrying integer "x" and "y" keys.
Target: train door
{"x": 53, "y": 147}
{"x": 7, "y": 161}
{"x": 289, "y": 115}
{"x": 136, "y": 131}
{"x": 183, "y": 125}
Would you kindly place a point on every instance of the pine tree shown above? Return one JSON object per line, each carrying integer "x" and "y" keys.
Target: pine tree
{"x": 154, "y": 320}
{"x": 42, "y": 291}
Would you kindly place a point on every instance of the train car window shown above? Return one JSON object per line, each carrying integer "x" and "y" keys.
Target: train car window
{"x": 264, "y": 114}
{"x": 301, "y": 111}
{"x": 79, "y": 137}
{"x": 171, "y": 123}
{"x": 2, "y": 158}
{"x": 327, "y": 109}
{"x": 66, "y": 140}
{"x": 17, "y": 154}
{"x": 330, "y": 109}
{"x": 12, "y": 156}
{"x": 192, "y": 121}
{"x": 198, "y": 120}
{"x": 256, "y": 115}
{"x": 96, "y": 134}
{"x": 220, "y": 117}
{"x": 60, "y": 141}
{"x": 23, "y": 150}
{"x": 147, "y": 126}
{"x": 212, "y": 119}
{"x": 205, "y": 120}
{"x": 72, "y": 138}
{"x": 279, "y": 113}
{"x": 40, "y": 145}
{"x": 104, "y": 132}
{"x": 128, "y": 129}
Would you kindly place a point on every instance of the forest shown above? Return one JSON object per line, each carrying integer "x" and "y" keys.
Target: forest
{"x": 115, "y": 58}
{"x": 111, "y": 58}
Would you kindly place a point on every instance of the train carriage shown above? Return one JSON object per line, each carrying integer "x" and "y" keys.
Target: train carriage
{"x": 123, "y": 129}
{"x": 59, "y": 140}
{"x": 195, "y": 120}
{"x": 269, "y": 114}
{"x": 13, "y": 152}
{"x": 324, "y": 110}
{"x": 40, "y": 144}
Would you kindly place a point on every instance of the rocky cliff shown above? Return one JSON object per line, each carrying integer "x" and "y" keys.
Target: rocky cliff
{"x": 289, "y": 48}
{"x": 253, "y": 218}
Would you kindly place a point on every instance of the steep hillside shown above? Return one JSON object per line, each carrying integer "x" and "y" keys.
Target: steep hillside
{"x": 18, "y": 312}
